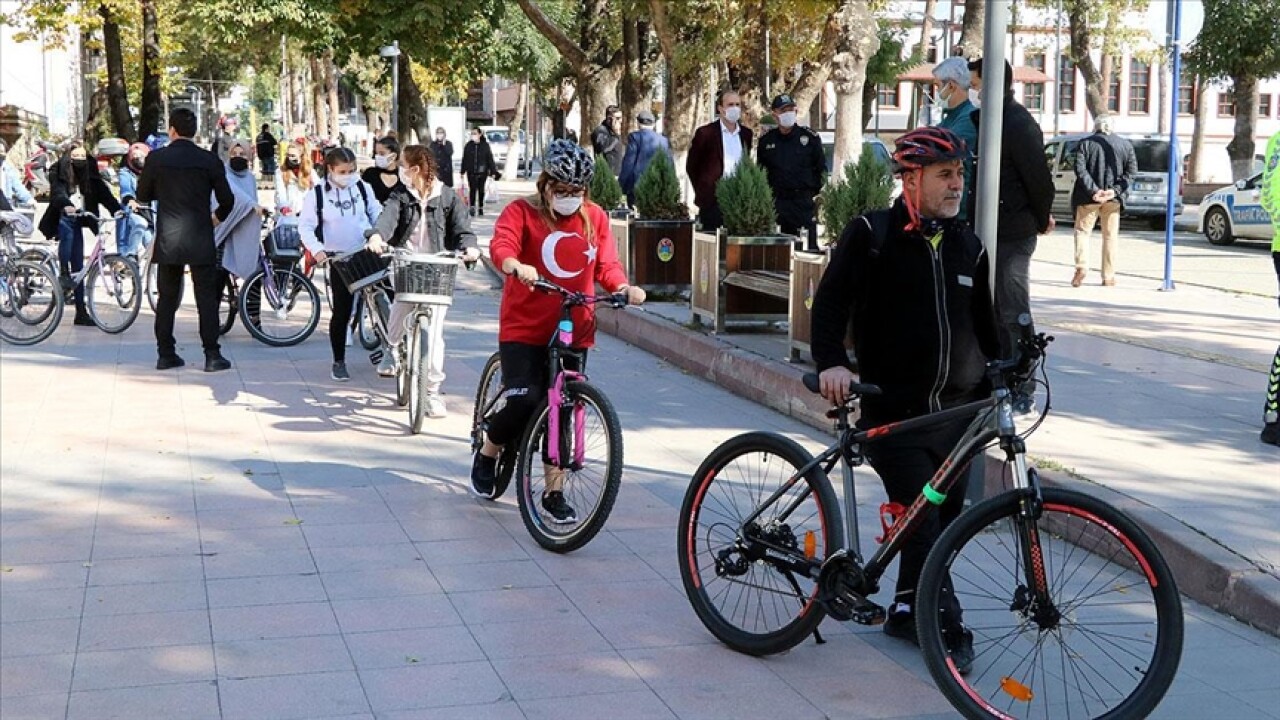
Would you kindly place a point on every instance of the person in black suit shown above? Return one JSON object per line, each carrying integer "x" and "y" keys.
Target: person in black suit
{"x": 180, "y": 178}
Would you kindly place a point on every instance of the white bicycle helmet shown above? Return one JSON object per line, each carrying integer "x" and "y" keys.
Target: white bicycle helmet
{"x": 570, "y": 163}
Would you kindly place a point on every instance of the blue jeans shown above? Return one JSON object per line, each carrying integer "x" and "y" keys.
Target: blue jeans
{"x": 132, "y": 235}
{"x": 71, "y": 252}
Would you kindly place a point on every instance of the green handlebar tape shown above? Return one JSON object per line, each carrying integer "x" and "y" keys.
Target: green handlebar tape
{"x": 932, "y": 495}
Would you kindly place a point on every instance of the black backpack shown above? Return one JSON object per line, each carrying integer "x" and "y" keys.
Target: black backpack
{"x": 364, "y": 198}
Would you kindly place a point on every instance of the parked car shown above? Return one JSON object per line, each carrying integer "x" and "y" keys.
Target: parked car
{"x": 499, "y": 137}
{"x": 878, "y": 149}
{"x": 1148, "y": 195}
{"x": 1235, "y": 212}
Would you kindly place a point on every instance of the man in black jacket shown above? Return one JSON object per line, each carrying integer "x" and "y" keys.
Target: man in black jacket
{"x": 606, "y": 139}
{"x": 1105, "y": 167}
{"x": 792, "y": 157}
{"x": 181, "y": 178}
{"x": 923, "y": 330}
{"x": 1026, "y": 202}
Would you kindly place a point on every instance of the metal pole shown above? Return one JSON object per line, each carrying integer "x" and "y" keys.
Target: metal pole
{"x": 992, "y": 121}
{"x": 1175, "y": 155}
{"x": 395, "y": 88}
{"x": 768, "y": 70}
{"x": 1057, "y": 72}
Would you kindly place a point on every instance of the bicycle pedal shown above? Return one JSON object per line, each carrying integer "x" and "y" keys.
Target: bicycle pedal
{"x": 866, "y": 612}
{"x": 375, "y": 357}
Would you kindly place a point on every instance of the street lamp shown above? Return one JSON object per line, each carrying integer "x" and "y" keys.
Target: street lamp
{"x": 393, "y": 51}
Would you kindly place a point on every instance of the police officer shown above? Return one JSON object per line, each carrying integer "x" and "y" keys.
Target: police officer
{"x": 792, "y": 156}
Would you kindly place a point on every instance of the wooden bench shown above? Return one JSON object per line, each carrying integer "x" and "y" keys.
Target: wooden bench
{"x": 740, "y": 279}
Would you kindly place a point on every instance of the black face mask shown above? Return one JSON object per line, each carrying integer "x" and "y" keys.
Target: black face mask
{"x": 239, "y": 164}
{"x": 292, "y": 164}
{"x": 79, "y": 164}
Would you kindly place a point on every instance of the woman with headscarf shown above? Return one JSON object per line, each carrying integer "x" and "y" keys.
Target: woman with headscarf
{"x": 74, "y": 185}
{"x": 132, "y": 234}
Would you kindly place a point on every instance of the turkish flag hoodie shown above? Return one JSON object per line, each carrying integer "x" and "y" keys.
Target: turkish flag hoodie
{"x": 562, "y": 255}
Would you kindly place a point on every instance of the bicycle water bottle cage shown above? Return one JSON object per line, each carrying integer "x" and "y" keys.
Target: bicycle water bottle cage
{"x": 889, "y": 514}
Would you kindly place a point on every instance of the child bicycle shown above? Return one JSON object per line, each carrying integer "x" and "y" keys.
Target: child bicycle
{"x": 1072, "y": 610}
{"x": 574, "y": 437}
{"x": 112, "y": 282}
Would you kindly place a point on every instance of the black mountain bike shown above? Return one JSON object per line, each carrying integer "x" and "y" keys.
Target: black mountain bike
{"x": 1073, "y": 610}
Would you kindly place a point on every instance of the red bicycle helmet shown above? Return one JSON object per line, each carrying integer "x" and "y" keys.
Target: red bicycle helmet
{"x": 917, "y": 150}
{"x": 136, "y": 149}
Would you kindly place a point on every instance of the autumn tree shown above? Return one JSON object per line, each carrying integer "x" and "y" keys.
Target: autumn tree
{"x": 857, "y": 45}
{"x": 689, "y": 33}
{"x": 971, "y": 29}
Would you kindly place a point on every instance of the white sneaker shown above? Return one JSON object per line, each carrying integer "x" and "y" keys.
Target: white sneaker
{"x": 387, "y": 365}
{"x": 436, "y": 407}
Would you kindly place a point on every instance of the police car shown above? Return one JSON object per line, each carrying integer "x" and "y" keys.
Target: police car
{"x": 1233, "y": 212}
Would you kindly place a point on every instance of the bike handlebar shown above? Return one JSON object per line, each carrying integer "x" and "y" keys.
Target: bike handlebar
{"x": 615, "y": 300}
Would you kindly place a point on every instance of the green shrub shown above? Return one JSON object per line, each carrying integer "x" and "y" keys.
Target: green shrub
{"x": 746, "y": 200}
{"x": 867, "y": 185}
{"x": 605, "y": 190}
{"x": 658, "y": 192}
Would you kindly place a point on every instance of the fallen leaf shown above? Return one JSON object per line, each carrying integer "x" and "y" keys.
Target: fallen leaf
{"x": 293, "y": 521}
{"x": 507, "y": 587}
{"x": 88, "y": 564}
{"x": 248, "y": 472}
{"x": 6, "y": 569}
{"x": 410, "y": 659}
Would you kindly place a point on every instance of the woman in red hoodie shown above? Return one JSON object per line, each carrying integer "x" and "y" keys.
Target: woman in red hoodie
{"x": 560, "y": 235}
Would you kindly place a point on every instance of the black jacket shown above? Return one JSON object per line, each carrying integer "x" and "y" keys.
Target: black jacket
{"x": 181, "y": 178}
{"x": 604, "y": 141}
{"x": 450, "y": 227}
{"x": 443, "y": 152}
{"x": 92, "y": 188}
{"x": 923, "y": 323}
{"x": 477, "y": 159}
{"x": 1103, "y": 162}
{"x": 1026, "y": 186}
{"x": 373, "y": 177}
{"x": 793, "y": 162}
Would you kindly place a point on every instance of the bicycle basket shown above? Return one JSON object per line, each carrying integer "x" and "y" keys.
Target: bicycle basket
{"x": 423, "y": 278}
{"x": 359, "y": 269}
{"x": 284, "y": 242}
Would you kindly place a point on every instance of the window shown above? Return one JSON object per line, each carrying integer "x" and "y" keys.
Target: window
{"x": 1226, "y": 106}
{"x": 1186, "y": 95}
{"x": 887, "y": 95}
{"x": 1264, "y": 105}
{"x": 1139, "y": 87}
{"x": 1033, "y": 93}
{"x": 1069, "y": 151}
{"x": 1066, "y": 85}
{"x": 1113, "y": 87}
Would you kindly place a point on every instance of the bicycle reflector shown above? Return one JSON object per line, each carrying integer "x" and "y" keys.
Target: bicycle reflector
{"x": 810, "y": 545}
{"x": 1016, "y": 690}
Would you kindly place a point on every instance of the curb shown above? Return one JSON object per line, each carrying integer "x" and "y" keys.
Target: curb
{"x": 1205, "y": 570}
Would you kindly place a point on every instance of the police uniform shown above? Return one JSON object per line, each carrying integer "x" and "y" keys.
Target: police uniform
{"x": 795, "y": 164}
{"x": 1270, "y": 196}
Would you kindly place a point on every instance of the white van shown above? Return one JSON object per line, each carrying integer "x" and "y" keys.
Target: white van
{"x": 1149, "y": 192}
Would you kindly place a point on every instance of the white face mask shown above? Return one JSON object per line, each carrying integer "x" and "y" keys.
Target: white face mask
{"x": 566, "y": 204}
{"x": 404, "y": 178}
{"x": 975, "y": 97}
{"x": 381, "y": 161}
{"x": 342, "y": 180}
{"x": 733, "y": 114}
{"x": 787, "y": 119}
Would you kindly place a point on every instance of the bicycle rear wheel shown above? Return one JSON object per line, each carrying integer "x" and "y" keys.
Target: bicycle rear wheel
{"x": 743, "y": 598}
{"x": 113, "y": 293}
{"x": 590, "y": 471}
{"x": 487, "y": 403}
{"x": 152, "y": 289}
{"x": 289, "y": 307}
{"x": 228, "y": 306}
{"x": 1107, "y": 647}
{"x": 363, "y": 326}
{"x": 31, "y": 303}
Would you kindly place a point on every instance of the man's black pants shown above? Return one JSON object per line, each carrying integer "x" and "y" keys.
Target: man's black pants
{"x": 208, "y": 291}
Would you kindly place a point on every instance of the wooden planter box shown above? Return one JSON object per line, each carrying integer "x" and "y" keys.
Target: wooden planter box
{"x": 806, "y": 273}
{"x": 659, "y": 254}
{"x": 741, "y": 278}
{"x": 621, "y": 228}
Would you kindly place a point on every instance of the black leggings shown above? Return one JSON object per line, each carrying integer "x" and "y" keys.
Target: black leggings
{"x": 339, "y": 319}
{"x": 524, "y": 376}
{"x": 476, "y": 183}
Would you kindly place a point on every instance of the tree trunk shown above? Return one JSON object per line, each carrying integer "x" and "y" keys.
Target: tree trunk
{"x": 320, "y": 107}
{"x": 597, "y": 90}
{"x": 152, "y": 109}
{"x": 1196, "y": 172}
{"x": 512, "y": 168}
{"x": 975, "y": 17}
{"x": 1161, "y": 70}
{"x": 413, "y": 111}
{"x": 1244, "y": 92}
{"x": 1095, "y": 98}
{"x": 286, "y": 92}
{"x": 815, "y": 73}
{"x": 639, "y": 59}
{"x": 331, "y": 92}
{"x": 926, "y": 28}
{"x": 117, "y": 91}
{"x": 858, "y": 43}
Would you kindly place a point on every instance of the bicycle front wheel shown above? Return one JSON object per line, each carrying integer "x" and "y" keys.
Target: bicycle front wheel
{"x": 364, "y": 325}
{"x": 486, "y": 404}
{"x": 744, "y": 599}
{"x": 228, "y": 306}
{"x": 289, "y": 307}
{"x": 31, "y": 303}
{"x": 589, "y": 472}
{"x": 113, "y": 293}
{"x": 151, "y": 286}
{"x": 416, "y": 370}
{"x": 1108, "y": 642}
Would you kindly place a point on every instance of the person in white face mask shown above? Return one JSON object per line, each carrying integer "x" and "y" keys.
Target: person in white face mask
{"x": 792, "y": 157}
{"x": 384, "y": 176}
{"x": 952, "y": 86}
{"x": 714, "y": 153}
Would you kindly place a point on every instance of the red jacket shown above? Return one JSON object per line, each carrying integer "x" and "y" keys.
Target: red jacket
{"x": 561, "y": 255}
{"x": 705, "y": 162}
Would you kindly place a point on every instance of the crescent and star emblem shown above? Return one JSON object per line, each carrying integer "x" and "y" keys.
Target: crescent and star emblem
{"x": 549, "y": 255}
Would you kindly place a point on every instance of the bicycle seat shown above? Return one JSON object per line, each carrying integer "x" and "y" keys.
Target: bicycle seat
{"x": 855, "y": 389}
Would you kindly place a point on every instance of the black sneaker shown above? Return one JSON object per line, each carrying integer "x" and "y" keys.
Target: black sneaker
{"x": 959, "y": 642}
{"x": 1271, "y": 433}
{"x": 216, "y": 363}
{"x": 339, "y": 372}
{"x": 484, "y": 475}
{"x": 901, "y": 625}
{"x": 560, "y": 511}
{"x": 168, "y": 362}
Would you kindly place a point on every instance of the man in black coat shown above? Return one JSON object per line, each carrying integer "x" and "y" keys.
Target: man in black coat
{"x": 180, "y": 178}
{"x": 1026, "y": 202}
{"x": 606, "y": 139}
{"x": 792, "y": 157}
{"x": 442, "y": 149}
{"x": 1105, "y": 168}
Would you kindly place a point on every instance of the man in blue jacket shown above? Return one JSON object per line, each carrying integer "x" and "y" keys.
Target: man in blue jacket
{"x": 642, "y": 146}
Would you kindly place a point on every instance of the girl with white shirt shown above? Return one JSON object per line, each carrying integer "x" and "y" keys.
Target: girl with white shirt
{"x": 332, "y": 221}
{"x": 424, "y": 217}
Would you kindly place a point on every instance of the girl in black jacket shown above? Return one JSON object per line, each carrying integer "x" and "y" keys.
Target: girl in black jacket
{"x": 478, "y": 165}
{"x": 74, "y": 185}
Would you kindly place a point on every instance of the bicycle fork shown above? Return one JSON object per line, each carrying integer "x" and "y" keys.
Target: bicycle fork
{"x": 1033, "y": 598}
{"x": 559, "y": 441}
